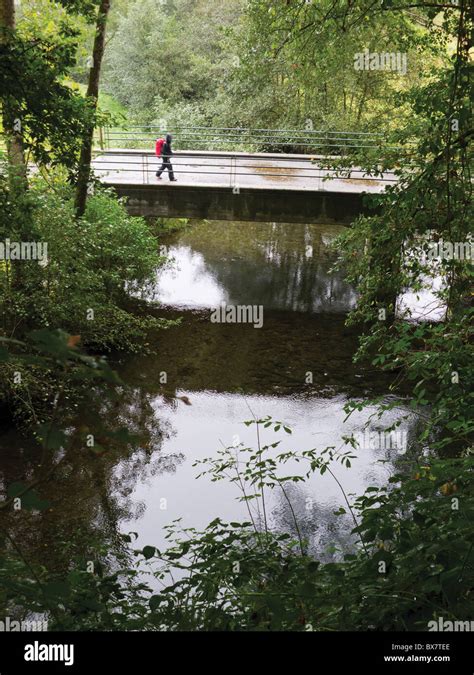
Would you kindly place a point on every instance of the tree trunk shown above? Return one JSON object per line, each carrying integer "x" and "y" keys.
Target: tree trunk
{"x": 11, "y": 114}
{"x": 92, "y": 95}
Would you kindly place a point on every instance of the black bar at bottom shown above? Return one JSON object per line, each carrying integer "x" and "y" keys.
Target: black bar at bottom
{"x": 314, "y": 651}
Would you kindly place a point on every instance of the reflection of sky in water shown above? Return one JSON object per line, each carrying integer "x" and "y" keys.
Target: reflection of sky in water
{"x": 423, "y": 305}
{"x": 214, "y": 420}
{"x": 282, "y": 267}
{"x": 187, "y": 282}
{"x": 279, "y": 266}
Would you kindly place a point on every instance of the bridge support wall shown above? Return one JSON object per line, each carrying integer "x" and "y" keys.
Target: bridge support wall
{"x": 250, "y": 204}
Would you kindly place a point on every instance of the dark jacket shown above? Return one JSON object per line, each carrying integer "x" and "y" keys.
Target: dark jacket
{"x": 166, "y": 151}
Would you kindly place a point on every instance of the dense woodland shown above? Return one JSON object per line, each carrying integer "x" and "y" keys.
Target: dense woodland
{"x": 70, "y": 67}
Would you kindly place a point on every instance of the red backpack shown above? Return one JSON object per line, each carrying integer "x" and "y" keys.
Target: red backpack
{"x": 159, "y": 146}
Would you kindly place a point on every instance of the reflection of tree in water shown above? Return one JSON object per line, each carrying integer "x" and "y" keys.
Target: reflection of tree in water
{"x": 317, "y": 522}
{"x": 278, "y": 265}
{"x": 284, "y": 267}
{"x": 89, "y": 494}
{"x": 136, "y": 412}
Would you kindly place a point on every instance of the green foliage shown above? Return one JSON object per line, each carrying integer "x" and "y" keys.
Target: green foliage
{"x": 412, "y": 556}
{"x": 38, "y": 372}
{"x": 411, "y": 528}
{"x": 297, "y": 64}
{"x": 93, "y": 267}
{"x": 36, "y": 59}
{"x": 149, "y": 65}
{"x": 267, "y": 64}
{"x": 390, "y": 253}
{"x": 97, "y": 270}
{"x": 413, "y": 563}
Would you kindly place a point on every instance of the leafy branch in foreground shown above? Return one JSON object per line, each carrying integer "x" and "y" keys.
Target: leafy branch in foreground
{"x": 415, "y": 563}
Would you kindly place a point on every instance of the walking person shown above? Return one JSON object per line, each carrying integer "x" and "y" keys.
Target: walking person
{"x": 166, "y": 153}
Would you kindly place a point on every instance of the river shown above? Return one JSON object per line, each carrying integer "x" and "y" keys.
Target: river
{"x": 205, "y": 379}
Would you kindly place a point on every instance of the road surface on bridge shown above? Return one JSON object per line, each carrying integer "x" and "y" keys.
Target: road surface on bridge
{"x": 234, "y": 170}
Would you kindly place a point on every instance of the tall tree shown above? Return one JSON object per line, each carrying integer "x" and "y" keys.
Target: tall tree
{"x": 420, "y": 240}
{"x": 43, "y": 117}
{"x": 11, "y": 112}
{"x": 92, "y": 97}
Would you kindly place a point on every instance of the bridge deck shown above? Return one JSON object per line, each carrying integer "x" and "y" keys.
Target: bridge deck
{"x": 260, "y": 171}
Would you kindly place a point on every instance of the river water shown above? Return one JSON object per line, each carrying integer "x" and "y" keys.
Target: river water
{"x": 205, "y": 379}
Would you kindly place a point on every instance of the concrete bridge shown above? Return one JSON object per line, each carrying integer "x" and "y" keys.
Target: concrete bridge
{"x": 222, "y": 185}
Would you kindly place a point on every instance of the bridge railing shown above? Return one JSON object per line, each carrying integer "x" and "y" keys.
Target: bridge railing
{"x": 243, "y": 139}
{"x": 226, "y": 169}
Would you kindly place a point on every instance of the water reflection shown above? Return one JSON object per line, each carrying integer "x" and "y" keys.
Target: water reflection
{"x": 89, "y": 494}
{"x": 298, "y": 368}
{"x": 187, "y": 282}
{"x": 216, "y": 420}
{"x": 277, "y": 265}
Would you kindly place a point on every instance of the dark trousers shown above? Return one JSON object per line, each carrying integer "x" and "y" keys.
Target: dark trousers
{"x": 166, "y": 165}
